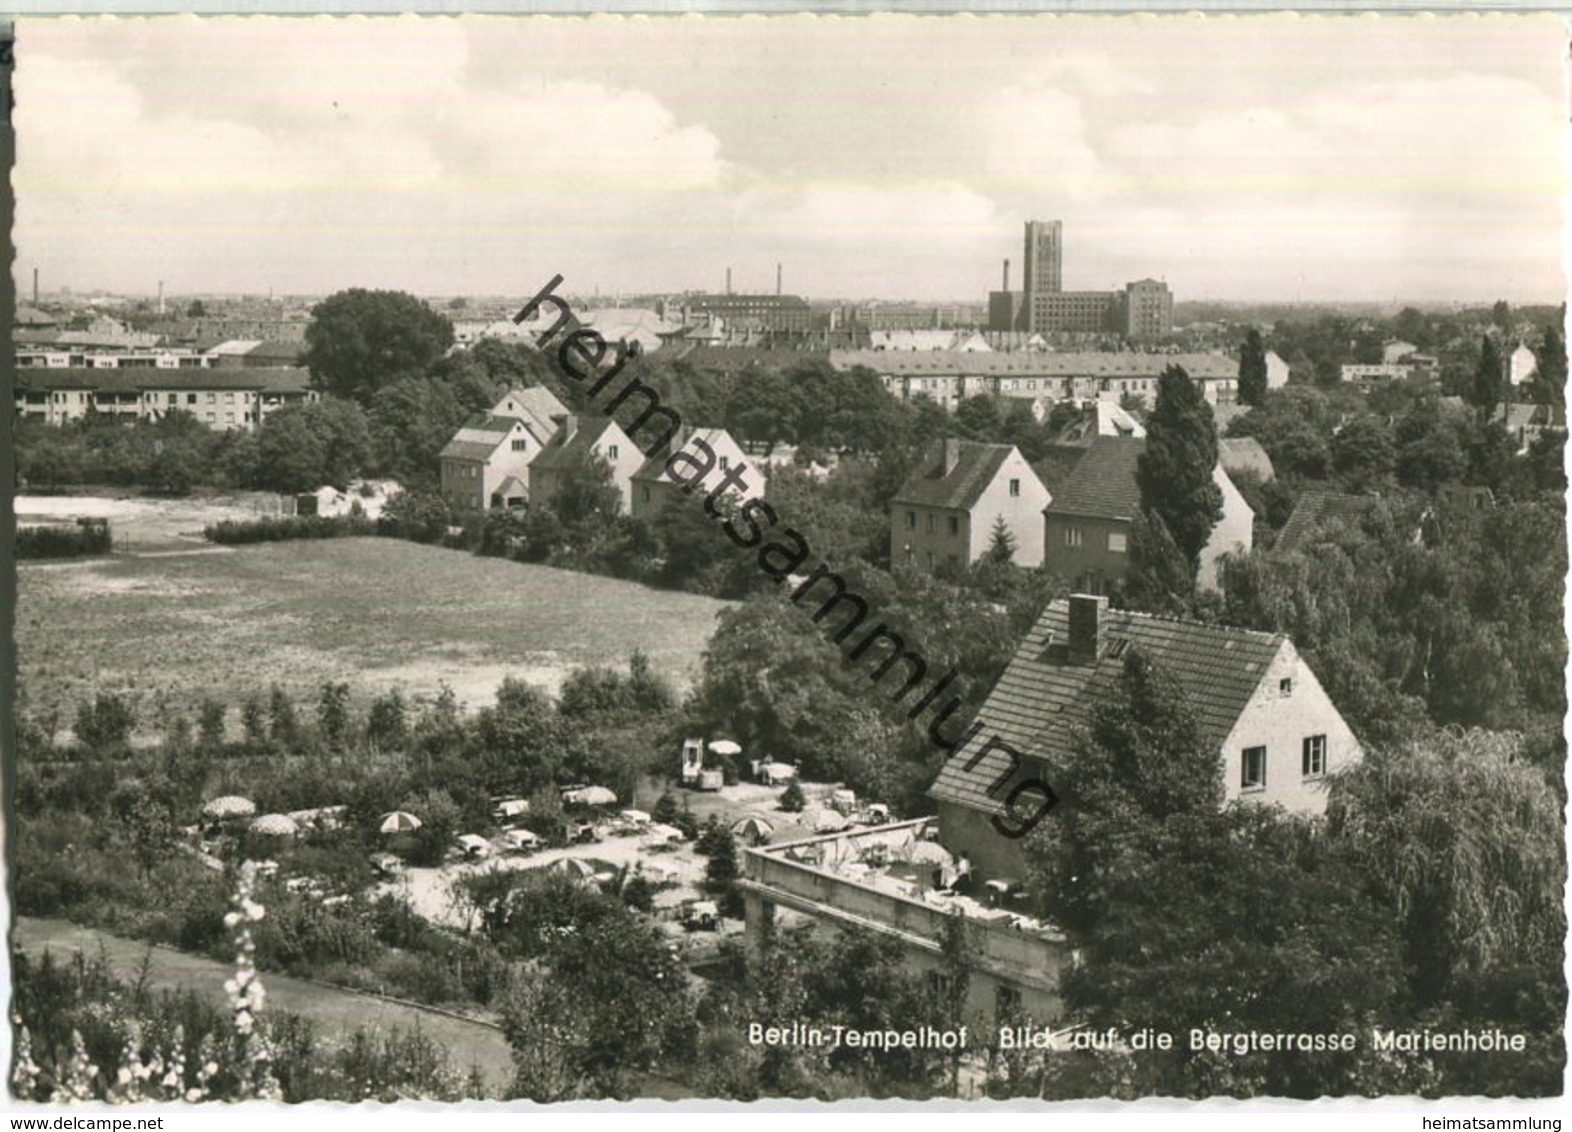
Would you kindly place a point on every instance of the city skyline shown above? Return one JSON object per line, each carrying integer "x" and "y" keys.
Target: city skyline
{"x": 1246, "y": 159}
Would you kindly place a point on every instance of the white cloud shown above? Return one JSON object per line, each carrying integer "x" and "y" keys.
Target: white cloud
{"x": 1237, "y": 158}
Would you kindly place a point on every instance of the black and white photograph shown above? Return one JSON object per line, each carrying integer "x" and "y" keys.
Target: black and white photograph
{"x": 771, "y": 558}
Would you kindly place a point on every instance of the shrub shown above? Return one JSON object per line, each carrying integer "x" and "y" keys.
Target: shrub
{"x": 88, "y": 537}
{"x": 792, "y": 798}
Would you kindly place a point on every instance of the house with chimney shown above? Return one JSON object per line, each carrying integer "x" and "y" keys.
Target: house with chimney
{"x": 486, "y": 464}
{"x": 709, "y": 453}
{"x": 1087, "y": 525}
{"x": 945, "y": 513}
{"x": 1278, "y": 735}
{"x": 580, "y": 441}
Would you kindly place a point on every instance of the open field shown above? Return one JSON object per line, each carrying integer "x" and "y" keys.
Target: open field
{"x": 147, "y": 524}
{"x": 375, "y": 613}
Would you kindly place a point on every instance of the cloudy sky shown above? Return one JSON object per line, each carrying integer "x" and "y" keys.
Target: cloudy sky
{"x": 1272, "y": 158}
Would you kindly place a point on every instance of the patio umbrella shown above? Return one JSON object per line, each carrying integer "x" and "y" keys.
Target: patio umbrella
{"x": 275, "y": 825}
{"x": 725, "y": 747}
{"x": 230, "y": 806}
{"x": 756, "y": 828}
{"x": 590, "y": 796}
{"x": 399, "y": 821}
{"x": 572, "y": 866}
{"x": 821, "y": 820}
{"x": 929, "y": 853}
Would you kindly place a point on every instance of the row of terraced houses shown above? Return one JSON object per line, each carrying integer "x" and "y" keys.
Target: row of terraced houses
{"x": 526, "y": 447}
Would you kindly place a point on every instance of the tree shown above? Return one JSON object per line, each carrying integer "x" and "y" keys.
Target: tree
{"x": 1175, "y": 472}
{"x": 1159, "y": 578}
{"x": 210, "y": 725}
{"x": 196, "y": 309}
{"x": 1464, "y": 841}
{"x": 303, "y": 447}
{"x": 359, "y": 340}
{"x": 387, "y": 726}
{"x": 1364, "y": 453}
{"x": 333, "y": 715}
{"x": 1141, "y": 850}
{"x": 1001, "y": 544}
{"x": 587, "y": 494}
{"x": 1550, "y": 372}
{"x": 1252, "y": 369}
{"x": 1501, "y": 316}
{"x": 1485, "y": 393}
{"x": 105, "y": 724}
{"x": 283, "y": 730}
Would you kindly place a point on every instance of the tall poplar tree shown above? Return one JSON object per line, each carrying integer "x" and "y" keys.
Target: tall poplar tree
{"x": 1486, "y": 392}
{"x": 1252, "y": 369}
{"x": 1175, "y": 472}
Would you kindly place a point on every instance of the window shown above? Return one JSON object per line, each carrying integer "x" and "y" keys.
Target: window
{"x": 1015, "y": 491}
{"x": 1286, "y": 686}
{"x": 930, "y": 524}
{"x": 191, "y": 398}
{"x": 611, "y": 451}
{"x": 521, "y": 446}
{"x": 941, "y": 983}
{"x": 725, "y": 462}
{"x": 955, "y": 526}
{"x": 1072, "y": 536}
{"x": 1116, "y": 542}
{"x": 1006, "y": 1001}
{"x": 1313, "y": 760}
{"x": 174, "y": 398}
{"x": 212, "y": 397}
{"x": 1253, "y": 769}
{"x": 911, "y": 520}
{"x": 644, "y": 494}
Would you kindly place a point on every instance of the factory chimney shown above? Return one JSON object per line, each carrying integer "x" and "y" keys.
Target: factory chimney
{"x": 1006, "y": 286}
{"x": 728, "y": 280}
{"x": 35, "y": 286}
{"x": 777, "y": 280}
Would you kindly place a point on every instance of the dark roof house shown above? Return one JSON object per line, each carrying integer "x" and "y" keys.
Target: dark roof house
{"x": 953, "y": 475}
{"x": 1278, "y": 735}
{"x": 1315, "y": 510}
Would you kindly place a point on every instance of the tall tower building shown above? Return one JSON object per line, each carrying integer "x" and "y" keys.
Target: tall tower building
{"x": 1044, "y": 268}
{"x": 1044, "y": 257}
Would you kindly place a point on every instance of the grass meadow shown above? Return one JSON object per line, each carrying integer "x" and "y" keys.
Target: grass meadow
{"x": 375, "y": 613}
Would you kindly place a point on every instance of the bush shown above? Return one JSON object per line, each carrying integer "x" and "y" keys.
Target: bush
{"x": 792, "y": 798}
{"x": 235, "y": 533}
{"x": 87, "y": 537}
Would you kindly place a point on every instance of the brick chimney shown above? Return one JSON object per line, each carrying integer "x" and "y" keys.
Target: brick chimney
{"x": 1086, "y": 627}
{"x": 952, "y": 454}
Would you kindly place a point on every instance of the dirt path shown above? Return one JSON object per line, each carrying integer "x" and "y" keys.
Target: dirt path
{"x": 334, "y": 1011}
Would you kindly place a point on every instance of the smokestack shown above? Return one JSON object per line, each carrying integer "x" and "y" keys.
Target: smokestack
{"x": 777, "y": 280}
{"x": 1086, "y": 630}
{"x": 160, "y": 296}
{"x": 728, "y": 280}
{"x": 35, "y": 286}
{"x": 1006, "y": 286}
